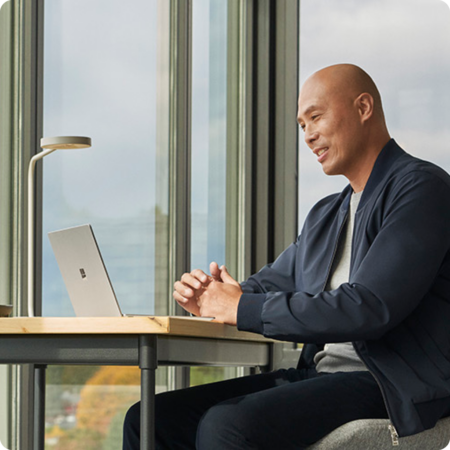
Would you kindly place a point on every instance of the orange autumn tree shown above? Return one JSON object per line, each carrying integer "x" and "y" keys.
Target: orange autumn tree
{"x": 106, "y": 393}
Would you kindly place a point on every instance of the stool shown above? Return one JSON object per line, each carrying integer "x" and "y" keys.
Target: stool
{"x": 374, "y": 434}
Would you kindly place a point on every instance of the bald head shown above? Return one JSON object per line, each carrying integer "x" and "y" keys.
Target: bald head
{"x": 348, "y": 81}
{"x": 341, "y": 114}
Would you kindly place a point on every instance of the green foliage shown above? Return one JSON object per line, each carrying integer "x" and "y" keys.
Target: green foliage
{"x": 70, "y": 439}
{"x": 70, "y": 374}
{"x": 203, "y": 375}
{"x": 113, "y": 440}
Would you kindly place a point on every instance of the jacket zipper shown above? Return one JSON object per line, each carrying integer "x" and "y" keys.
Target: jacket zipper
{"x": 330, "y": 266}
{"x": 394, "y": 435}
{"x": 391, "y": 427}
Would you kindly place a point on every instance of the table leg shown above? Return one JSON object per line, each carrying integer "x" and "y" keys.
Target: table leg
{"x": 39, "y": 407}
{"x": 147, "y": 364}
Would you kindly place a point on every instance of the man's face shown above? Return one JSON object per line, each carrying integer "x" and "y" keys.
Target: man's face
{"x": 332, "y": 127}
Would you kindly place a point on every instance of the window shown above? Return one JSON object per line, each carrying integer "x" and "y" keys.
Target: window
{"x": 109, "y": 80}
{"x": 120, "y": 72}
{"x": 209, "y": 112}
{"x": 100, "y": 81}
{"x": 101, "y": 74}
{"x": 209, "y": 131}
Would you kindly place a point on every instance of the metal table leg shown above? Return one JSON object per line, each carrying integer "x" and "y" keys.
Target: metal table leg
{"x": 147, "y": 364}
{"x": 39, "y": 407}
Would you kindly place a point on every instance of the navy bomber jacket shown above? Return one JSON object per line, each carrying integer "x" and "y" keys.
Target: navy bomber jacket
{"x": 395, "y": 307}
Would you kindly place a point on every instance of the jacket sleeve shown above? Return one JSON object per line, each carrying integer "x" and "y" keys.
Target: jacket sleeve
{"x": 396, "y": 273}
{"x": 280, "y": 275}
{"x": 275, "y": 277}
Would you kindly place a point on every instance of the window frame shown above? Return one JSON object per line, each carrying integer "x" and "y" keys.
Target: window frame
{"x": 261, "y": 160}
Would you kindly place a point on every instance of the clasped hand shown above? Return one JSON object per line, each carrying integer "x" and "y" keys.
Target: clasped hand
{"x": 216, "y": 295}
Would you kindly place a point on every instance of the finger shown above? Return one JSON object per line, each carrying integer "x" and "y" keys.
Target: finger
{"x": 184, "y": 290}
{"x": 199, "y": 275}
{"x": 226, "y": 277}
{"x": 179, "y": 298}
{"x": 191, "y": 281}
{"x": 215, "y": 271}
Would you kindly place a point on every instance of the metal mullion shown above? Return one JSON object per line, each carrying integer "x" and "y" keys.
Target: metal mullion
{"x": 263, "y": 225}
{"x": 286, "y": 128}
{"x": 18, "y": 250}
{"x": 285, "y": 144}
{"x": 26, "y": 131}
{"x": 179, "y": 158}
{"x": 275, "y": 129}
{"x": 38, "y": 120}
{"x": 6, "y": 193}
{"x": 274, "y": 140}
{"x": 162, "y": 288}
{"x": 179, "y": 141}
{"x": 239, "y": 137}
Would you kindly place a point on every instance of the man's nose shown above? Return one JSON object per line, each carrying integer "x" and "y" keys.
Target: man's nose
{"x": 311, "y": 135}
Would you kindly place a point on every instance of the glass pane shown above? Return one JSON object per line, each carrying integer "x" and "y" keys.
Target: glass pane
{"x": 86, "y": 405}
{"x": 209, "y": 93}
{"x": 209, "y": 109}
{"x": 102, "y": 78}
{"x": 100, "y": 81}
{"x": 401, "y": 44}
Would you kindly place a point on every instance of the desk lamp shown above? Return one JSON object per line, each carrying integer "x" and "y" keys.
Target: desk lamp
{"x": 49, "y": 145}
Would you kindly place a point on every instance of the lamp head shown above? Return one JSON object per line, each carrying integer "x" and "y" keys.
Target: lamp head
{"x": 65, "y": 142}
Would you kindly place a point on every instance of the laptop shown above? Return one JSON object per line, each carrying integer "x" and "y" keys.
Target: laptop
{"x": 85, "y": 276}
{"x": 84, "y": 273}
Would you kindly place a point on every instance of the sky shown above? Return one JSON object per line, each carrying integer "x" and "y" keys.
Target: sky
{"x": 103, "y": 77}
{"x": 100, "y": 81}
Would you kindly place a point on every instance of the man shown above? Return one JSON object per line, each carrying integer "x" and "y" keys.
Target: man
{"x": 369, "y": 276}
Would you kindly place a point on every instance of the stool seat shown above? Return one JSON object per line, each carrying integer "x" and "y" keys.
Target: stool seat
{"x": 374, "y": 434}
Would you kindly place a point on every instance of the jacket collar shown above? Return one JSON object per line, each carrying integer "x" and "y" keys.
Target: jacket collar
{"x": 382, "y": 167}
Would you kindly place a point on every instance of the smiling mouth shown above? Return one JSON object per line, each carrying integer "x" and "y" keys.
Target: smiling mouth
{"x": 321, "y": 151}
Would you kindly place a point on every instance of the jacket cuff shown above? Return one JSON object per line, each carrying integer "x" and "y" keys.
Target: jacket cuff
{"x": 249, "y": 313}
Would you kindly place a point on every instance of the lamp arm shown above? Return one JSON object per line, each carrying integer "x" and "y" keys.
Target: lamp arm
{"x": 31, "y": 231}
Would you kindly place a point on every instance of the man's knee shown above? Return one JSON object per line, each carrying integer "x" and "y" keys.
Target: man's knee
{"x": 225, "y": 426}
{"x": 131, "y": 427}
{"x": 133, "y": 417}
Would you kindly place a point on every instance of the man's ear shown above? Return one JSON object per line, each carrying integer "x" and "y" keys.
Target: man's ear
{"x": 364, "y": 103}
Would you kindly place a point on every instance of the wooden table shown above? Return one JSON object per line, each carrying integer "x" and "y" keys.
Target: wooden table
{"x": 136, "y": 341}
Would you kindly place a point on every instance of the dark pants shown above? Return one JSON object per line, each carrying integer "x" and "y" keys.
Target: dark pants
{"x": 286, "y": 409}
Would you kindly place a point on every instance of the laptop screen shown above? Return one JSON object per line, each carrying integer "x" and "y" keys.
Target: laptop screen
{"x": 84, "y": 273}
